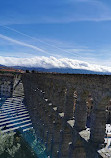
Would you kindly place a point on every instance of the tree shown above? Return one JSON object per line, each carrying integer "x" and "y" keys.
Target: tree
{"x": 8, "y": 144}
{"x": 33, "y": 71}
{"x": 27, "y": 71}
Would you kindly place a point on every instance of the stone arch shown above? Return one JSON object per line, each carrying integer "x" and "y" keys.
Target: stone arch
{"x": 108, "y": 112}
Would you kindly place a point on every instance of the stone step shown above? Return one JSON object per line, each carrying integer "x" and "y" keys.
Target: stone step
{"x": 11, "y": 121}
{"x": 14, "y": 128}
{"x": 6, "y": 118}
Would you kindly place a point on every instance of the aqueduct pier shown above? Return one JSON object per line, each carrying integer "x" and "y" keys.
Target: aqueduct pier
{"x": 70, "y": 111}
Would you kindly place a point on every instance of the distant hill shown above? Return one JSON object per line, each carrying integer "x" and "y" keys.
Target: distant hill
{"x": 6, "y": 69}
{"x": 62, "y": 70}
{"x": 2, "y": 66}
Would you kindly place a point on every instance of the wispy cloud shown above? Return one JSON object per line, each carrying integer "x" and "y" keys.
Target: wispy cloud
{"x": 81, "y": 10}
{"x": 52, "y": 62}
{"x": 23, "y": 44}
{"x": 35, "y": 39}
{"x": 59, "y": 47}
{"x": 88, "y": 10}
{"x": 53, "y": 47}
{"x": 59, "y": 12}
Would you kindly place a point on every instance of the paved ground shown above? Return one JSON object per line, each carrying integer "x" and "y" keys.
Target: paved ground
{"x": 13, "y": 113}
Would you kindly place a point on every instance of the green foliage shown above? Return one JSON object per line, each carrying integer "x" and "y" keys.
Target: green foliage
{"x": 33, "y": 71}
{"x": 27, "y": 71}
{"x": 36, "y": 144}
{"x": 39, "y": 146}
{"x": 8, "y": 144}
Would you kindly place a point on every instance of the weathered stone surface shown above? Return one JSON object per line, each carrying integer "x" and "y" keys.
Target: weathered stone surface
{"x": 66, "y": 97}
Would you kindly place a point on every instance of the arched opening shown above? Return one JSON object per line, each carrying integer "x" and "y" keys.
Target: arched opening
{"x": 108, "y": 113}
{"x": 89, "y": 105}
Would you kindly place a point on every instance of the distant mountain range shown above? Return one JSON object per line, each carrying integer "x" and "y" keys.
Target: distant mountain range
{"x": 62, "y": 70}
{"x": 2, "y": 66}
{"x": 56, "y": 70}
{"x": 53, "y": 64}
{"x": 7, "y": 69}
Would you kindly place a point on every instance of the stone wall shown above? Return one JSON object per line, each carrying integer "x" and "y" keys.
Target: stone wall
{"x": 59, "y": 105}
{"x": 6, "y": 85}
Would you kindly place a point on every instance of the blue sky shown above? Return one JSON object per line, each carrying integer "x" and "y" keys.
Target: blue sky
{"x": 72, "y": 29}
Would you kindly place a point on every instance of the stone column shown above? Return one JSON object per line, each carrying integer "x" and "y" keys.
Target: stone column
{"x": 80, "y": 111}
{"x": 55, "y": 99}
{"x": 61, "y": 97}
{"x": 69, "y": 104}
{"x": 98, "y": 123}
{"x": 50, "y": 89}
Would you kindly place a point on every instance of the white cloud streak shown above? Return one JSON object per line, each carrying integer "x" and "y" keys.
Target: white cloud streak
{"x": 52, "y": 62}
{"x": 41, "y": 41}
{"x": 68, "y": 51}
{"x": 23, "y": 44}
